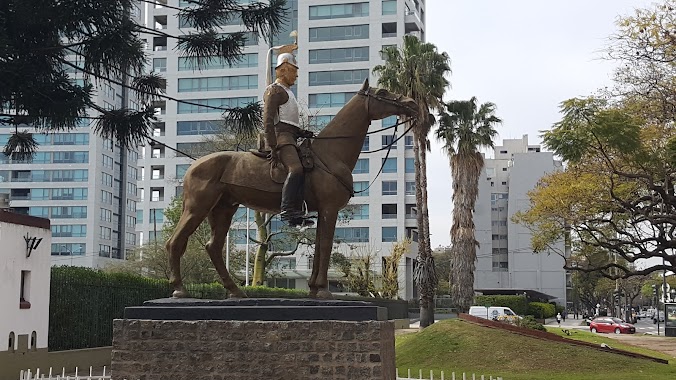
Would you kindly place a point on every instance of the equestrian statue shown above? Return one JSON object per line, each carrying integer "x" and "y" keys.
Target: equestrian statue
{"x": 281, "y": 181}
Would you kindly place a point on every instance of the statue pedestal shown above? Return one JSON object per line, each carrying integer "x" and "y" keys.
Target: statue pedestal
{"x": 253, "y": 339}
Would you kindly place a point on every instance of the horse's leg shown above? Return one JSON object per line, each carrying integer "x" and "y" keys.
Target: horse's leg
{"x": 220, "y": 219}
{"x": 325, "y": 230}
{"x": 315, "y": 262}
{"x": 193, "y": 214}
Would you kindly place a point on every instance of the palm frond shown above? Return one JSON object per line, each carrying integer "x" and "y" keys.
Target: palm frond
{"x": 205, "y": 46}
{"x": 208, "y": 14}
{"x": 114, "y": 50}
{"x": 21, "y": 146}
{"x": 129, "y": 128}
{"x": 149, "y": 87}
{"x": 54, "y": 104}
{"x": 244, "y": 121}
{"x": 264, "y": 19}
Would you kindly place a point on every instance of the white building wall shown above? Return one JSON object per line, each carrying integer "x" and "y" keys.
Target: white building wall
{"x": 13, "y": 261}
{"x": 505, "y": 258}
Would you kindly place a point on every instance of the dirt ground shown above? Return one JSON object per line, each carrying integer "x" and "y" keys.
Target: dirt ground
{"x": 663, "y": 344}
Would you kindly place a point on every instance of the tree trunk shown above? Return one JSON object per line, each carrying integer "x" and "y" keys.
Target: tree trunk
{"x": 424, "y": 275}
{"x": 258, "y": 278}
{"x": 465, "y": 170}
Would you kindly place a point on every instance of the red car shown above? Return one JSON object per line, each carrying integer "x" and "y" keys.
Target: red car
{"x": 611, "y": 325}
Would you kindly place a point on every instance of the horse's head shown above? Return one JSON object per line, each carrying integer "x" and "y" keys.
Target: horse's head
{"x": 381, "y": 103}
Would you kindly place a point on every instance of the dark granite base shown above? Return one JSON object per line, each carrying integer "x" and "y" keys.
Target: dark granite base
{"x": 256, "y": 309}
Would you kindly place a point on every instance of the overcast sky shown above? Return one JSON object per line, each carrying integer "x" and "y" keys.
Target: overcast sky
{"x": 526, "y": 56}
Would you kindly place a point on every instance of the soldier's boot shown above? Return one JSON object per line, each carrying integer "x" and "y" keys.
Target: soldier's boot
{"x": 292, "y": 201}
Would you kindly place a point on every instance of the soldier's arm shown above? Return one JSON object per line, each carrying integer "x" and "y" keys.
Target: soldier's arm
{"x": 274, "y": 97}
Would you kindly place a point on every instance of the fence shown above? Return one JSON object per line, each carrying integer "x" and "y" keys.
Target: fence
{"x": 28, "y": 375}
{"x": 444, "y": 376}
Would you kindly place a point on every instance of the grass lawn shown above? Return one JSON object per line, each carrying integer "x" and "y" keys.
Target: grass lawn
{"x": 456, "y": 345}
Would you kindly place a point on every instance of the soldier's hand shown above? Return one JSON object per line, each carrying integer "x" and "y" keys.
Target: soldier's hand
{"x": 307, "y": 134}
{"x": 273, "y": 156}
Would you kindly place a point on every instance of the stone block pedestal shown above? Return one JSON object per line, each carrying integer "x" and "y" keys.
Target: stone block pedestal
{"x": 267, "y": 348}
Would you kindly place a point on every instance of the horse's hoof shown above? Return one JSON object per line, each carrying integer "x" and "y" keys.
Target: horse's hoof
{"x": 239, "y": 293}
{"x": 324, "y": 295}
{"x": 180, "y": 293}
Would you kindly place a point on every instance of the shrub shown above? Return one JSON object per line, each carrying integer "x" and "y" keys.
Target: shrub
{"x": 530, "y": 323}
{"x": 517, "y": 303}
{"x": 541, "y": 310}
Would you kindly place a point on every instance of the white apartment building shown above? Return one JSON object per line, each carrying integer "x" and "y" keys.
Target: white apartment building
{"x": 339, "y": 44}
{"x": 84, "y": 184}
{"x": 506, "y": 263}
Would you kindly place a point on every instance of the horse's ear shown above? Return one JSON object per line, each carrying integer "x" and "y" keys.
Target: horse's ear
{"x": 365, "y": 86}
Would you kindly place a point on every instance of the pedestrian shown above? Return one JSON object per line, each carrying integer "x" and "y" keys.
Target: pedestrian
{"x": 564, "y": 314}
{"x": 558, "y": 319}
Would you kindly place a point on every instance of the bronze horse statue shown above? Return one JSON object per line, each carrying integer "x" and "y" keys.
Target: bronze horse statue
{"x": 217, "y": 184}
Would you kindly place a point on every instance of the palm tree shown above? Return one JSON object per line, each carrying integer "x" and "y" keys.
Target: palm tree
{"x": 418, "y": 71}
{"x": 464, "y": 129}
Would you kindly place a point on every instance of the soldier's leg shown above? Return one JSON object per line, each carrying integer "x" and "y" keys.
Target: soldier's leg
{"x": 292, "y": 192}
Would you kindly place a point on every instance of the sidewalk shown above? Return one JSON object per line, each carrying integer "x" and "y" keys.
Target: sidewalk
{"x": 569, "y": 323}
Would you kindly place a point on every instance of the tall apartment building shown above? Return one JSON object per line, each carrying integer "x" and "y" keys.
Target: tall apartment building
{"x": 339, "y": 44}
{"x": 84, "y": 184}
{"x": 505, "y": 260}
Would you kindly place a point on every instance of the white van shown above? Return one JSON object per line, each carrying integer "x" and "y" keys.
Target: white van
{"x": 492, "y": 312}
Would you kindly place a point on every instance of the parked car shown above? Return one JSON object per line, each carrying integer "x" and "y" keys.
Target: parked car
{"x": 611, "y": 325}
{"x": 661, "y": 316}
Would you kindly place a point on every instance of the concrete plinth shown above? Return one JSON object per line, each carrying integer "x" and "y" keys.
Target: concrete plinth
{"x": 222, "y": 348}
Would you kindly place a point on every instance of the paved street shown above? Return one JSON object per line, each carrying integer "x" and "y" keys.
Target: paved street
{"x": 643, "y": 326}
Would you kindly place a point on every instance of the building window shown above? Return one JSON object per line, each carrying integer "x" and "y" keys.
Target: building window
{"x": 329, "y": 100}
{"x": 410, "y": 188}
{"x": 198, "y": 127}
{"x": 387, "y": 140}
{"x": 241, "y": 82}
{"x": 389, "y": 188}
{"x": 389, "y": 7}
{"x": 320, "y": 12}
{"x": 160, "y": 65}
{"x": 365, "y": 145}
{"x": 352, "y": 235}
{"x": 389, "y": 165}
{"x": 389, "y": 234}
{"x": 156, "y": 214}
{"x": 24, "y": 295}
{"x": 68, "y": 249}
{"x": 362, "y": 166}
{"x": 408, "y": 142}
{"x": 107, "y": 180}
{"x": 361, "y": 186}
{"x": 181, "y": 169}
{"x": 216, "y": 63}
{"x": 411, "y": 211}
{"x": 337, "y": 77}
{"x": 412, "y": 233}
{"x": 104, "y": 250}
{"x": 360, "y": 212}
{"x": 320, "y": 121}
{"x": 389, "y": 211}
{"x": 337, "y": 33}
{"x": 215, "y": 105}
{"x": 104, "y": 233}
{"x": 106, "y": 215}
{"x": 355, "y": 54}
{"x": 409, "y": 165}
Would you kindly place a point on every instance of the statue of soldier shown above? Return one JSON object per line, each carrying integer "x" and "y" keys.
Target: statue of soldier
{"x": 282, "y": 129}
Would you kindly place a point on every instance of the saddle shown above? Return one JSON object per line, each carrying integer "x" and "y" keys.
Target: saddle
{"x": 279, "y": 172}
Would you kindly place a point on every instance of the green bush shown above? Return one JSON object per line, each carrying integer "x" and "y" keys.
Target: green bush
{"x": 541, "y": 310}
{"x": 265, "y": 292}
{"x": 530, "y": 323}
{"x": 517, "y": 303}
{"x": 84, "y": 302}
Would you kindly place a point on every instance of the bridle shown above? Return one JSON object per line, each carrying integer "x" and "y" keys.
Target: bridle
{"x": 393, "y": 101}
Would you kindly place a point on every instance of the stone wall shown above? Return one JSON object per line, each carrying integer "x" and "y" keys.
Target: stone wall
{"x": 307, "y": 350}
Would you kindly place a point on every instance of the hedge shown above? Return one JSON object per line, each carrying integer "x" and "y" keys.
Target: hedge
{"x": 84, "y": 302}
{"x": 518, "y": 304}
{"x": 541, "y": 310}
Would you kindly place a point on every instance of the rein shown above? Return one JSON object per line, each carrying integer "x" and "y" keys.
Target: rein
{"x": 389, "y": 146}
